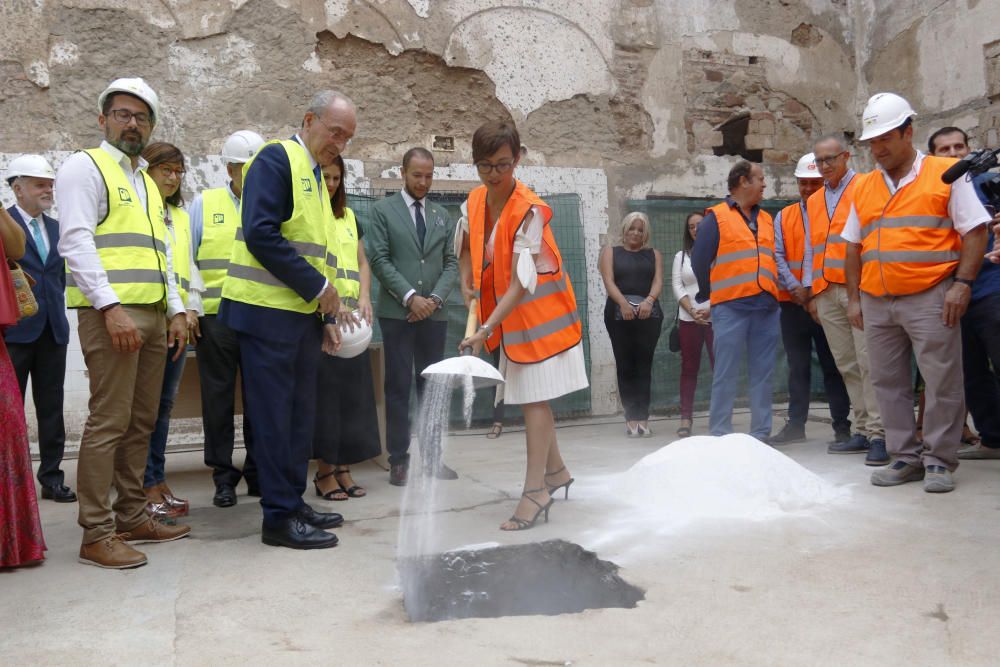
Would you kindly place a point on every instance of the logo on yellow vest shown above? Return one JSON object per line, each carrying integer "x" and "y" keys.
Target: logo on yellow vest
{"x": 218, "y": 218}
{"x": 307, "y": 184}
{"x": 124, "y": 195}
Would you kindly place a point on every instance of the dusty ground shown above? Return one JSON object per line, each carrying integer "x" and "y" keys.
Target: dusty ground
{"x": 894, "y": 576}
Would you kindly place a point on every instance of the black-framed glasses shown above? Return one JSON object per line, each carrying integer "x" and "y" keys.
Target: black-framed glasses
{"x": 820, "y": 161}
{"x": 485, "y": 168}
{"x": 123, "y": 116}
{"x": 338, "y": 134}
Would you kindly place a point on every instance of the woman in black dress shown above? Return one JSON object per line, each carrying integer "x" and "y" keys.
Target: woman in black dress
{"x": 346, "y": 421}
{"x": 633, "y": 277}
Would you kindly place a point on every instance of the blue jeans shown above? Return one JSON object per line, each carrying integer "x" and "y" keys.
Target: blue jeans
{"x": 738, "y": 327}
{"x": 156, "y": 460}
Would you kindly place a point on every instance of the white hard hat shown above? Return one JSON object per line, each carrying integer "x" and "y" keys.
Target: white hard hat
{"x": 806, "y": 167}
{"x": 353, "y": 343}
{"x": 133, "y": 86}
{"x": 884, "y": 112}
{"x": 29, "y": 165}
{"x": 241, "y": 146}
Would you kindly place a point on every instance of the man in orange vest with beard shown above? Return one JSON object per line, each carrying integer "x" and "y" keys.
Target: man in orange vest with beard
{"x": 799, "y": 332}
{"x": 915, "y": 246}
{"x": 733, "y": 260}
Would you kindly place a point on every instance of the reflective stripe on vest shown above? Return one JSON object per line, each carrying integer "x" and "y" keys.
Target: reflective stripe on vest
{"x": 342, "y": 269}
{"x": 219, "y": 222}
{"x": 744, "y": 265}
{"x": 130, "y": 240}
{"x": 909, "y": 243}
{"x": 543, "y": 324}
{"x": 793, "y": 235}
{"x": 829, "y": 247}
{"x": 306, "y": 231}
{"x": 180, "y": 254}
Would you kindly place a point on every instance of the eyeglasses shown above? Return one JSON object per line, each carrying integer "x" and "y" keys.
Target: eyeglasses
{"x": 485, "y": 168}
{"x": 337, "y": 134}
{"x": 168, "y": 171}
{"x": 820, "y": 161}
{"x": 123, "y": 116}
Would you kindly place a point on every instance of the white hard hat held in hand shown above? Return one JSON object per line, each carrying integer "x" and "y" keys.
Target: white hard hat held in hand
{"x": 806, "y": 167}
{"x": 241, "y": 146}
{"x": 353, "y": 343}
{"x": 29, "y": 165}
{"x": 135, "y": 87}
{"x": 884, "y": 112}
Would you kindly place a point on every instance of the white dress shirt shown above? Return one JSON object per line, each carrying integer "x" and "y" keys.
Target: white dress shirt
{"x": 80, "y": 194}
{"x": 964, "y": 208}
{"x": 27, "y": 217}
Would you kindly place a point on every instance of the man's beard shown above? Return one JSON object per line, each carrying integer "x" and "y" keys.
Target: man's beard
{"x": 131, "y": 147}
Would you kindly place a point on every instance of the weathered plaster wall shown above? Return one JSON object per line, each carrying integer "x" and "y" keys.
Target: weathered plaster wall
{"x": 637, "y": 94}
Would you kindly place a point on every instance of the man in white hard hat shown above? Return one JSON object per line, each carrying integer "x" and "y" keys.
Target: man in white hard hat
{"x": 278, "y": 285}
{"x": 112, "y": 236}
{"x": 37, "y": 344}
{"x": 799, "y": 332}
{"x": 828, "y": 209}
{"x": 215, "y": 220}
{"x": 915, "y": 247}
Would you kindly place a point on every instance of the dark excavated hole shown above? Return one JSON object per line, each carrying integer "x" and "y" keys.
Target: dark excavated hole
{"x": 553, "y": 577}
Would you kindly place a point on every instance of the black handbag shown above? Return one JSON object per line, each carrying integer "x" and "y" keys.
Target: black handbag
{"x": 674, "y": 341}
{"x": 635, "y": 300}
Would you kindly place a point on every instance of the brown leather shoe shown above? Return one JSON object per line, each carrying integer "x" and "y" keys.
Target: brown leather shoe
{"x": 173, "y": 501}
{"x": 154, "y": 531}
{"x": 111, "y": 553}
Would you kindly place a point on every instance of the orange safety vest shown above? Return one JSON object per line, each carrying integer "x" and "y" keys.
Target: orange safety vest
{"x": 793, "y": 234}
{"x": 744, "y": 265}
{"x": 543, "y": 324}
{"x": 908, "y": 242}
{"x": 829, "y": 247}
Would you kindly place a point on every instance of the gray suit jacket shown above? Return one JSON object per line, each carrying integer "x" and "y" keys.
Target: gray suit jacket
{"x": 398, "y": 261}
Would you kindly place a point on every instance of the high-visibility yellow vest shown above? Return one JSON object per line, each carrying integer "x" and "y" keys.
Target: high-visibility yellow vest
{"x": 131, "y": 242}
{"x": 342, "y": 268}
{"x": 181, "y": 250}
{"x": 219, "y": 221}
{"x": 307, "y": 230}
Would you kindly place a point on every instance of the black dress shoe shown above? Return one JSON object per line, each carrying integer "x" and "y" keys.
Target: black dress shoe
{"x": 296, "y": 534}
{"x": 59, "y": 493}
{"x": 225, "y": 496}
{"x": 319, "y": 519}
{"x": 444, "y": 472}
{"x": 398, "y": 473}
{"x": 788, "y": 434}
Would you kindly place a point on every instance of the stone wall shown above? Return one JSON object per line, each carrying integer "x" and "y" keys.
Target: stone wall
{"x": 658, "y": 96}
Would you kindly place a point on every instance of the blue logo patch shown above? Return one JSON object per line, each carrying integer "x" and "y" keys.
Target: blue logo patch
{"x": 307, "y": 184}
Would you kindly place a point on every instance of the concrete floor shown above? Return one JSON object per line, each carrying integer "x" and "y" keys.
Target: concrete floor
{"x": 894, "y": 576}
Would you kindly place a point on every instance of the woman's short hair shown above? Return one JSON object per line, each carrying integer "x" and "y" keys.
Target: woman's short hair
{"x": 160, "y": 152}
{"x": 492, "y": 136}
{"x": 632, "y": 217}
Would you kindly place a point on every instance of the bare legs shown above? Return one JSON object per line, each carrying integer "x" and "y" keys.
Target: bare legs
{"x": 543, "y": 457}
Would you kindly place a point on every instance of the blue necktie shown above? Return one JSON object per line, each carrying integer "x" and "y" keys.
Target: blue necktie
{"x": 318, "y": 172}
{"x": 36, "y": 231}
{"x": 421, "y": 227}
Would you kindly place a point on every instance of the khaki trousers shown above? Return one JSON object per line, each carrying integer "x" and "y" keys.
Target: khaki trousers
{"x": 896, "y": 328}
{"x": 124, "y": 400}
{"x": 850, "y": 351}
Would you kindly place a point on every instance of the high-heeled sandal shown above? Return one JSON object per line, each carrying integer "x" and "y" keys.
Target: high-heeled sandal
{"x": 353, "y": 491}
{"x": 564, "y": 485}
{"x": 495, "y": 431}
{"x": 525, "y": 524}
{"x": 338, "y": 493}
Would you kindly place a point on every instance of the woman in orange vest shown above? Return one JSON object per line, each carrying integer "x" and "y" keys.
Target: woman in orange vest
{"x": 527, "y": 308}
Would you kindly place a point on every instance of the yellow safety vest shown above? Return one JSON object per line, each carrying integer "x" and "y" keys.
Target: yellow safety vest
{"x": 306, "y": 230}
{"x": 342, "y": 269}
{"x": 131, "y": 242}
{"x": 219, "y": 222}
{"x": 181, "y": 250}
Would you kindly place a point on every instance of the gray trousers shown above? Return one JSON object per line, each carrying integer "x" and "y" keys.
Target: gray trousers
{"x": 895, "y": 329}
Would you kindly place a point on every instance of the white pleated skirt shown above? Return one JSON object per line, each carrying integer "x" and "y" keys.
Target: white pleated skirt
{"x": 532, "y": 383}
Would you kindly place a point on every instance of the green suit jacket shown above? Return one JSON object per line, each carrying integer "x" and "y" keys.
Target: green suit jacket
{"x": 400, "y": 263}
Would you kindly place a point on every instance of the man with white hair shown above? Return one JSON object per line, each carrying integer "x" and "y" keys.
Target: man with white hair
{"x": 113, "y": 237}
{"x": 915, "y": 245}
{"x": 37, "y": 344}
{"x": 215, "y": 220}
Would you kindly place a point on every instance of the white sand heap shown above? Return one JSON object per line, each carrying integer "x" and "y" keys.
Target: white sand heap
{"x": 729, "y": 477}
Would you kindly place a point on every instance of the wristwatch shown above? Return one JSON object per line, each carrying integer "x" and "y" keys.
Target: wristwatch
{"x": 436, "y": 299}
{"x": 487, "y": 328}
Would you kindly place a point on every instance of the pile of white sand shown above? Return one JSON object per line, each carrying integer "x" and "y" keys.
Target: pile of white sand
{"x": 729, "y": 477}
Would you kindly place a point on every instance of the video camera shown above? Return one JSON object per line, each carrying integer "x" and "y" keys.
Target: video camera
{"x": 974, "y": 164}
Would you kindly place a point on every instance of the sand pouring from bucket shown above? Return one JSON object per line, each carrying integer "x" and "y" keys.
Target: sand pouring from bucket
{"x": 466, "y": 364}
